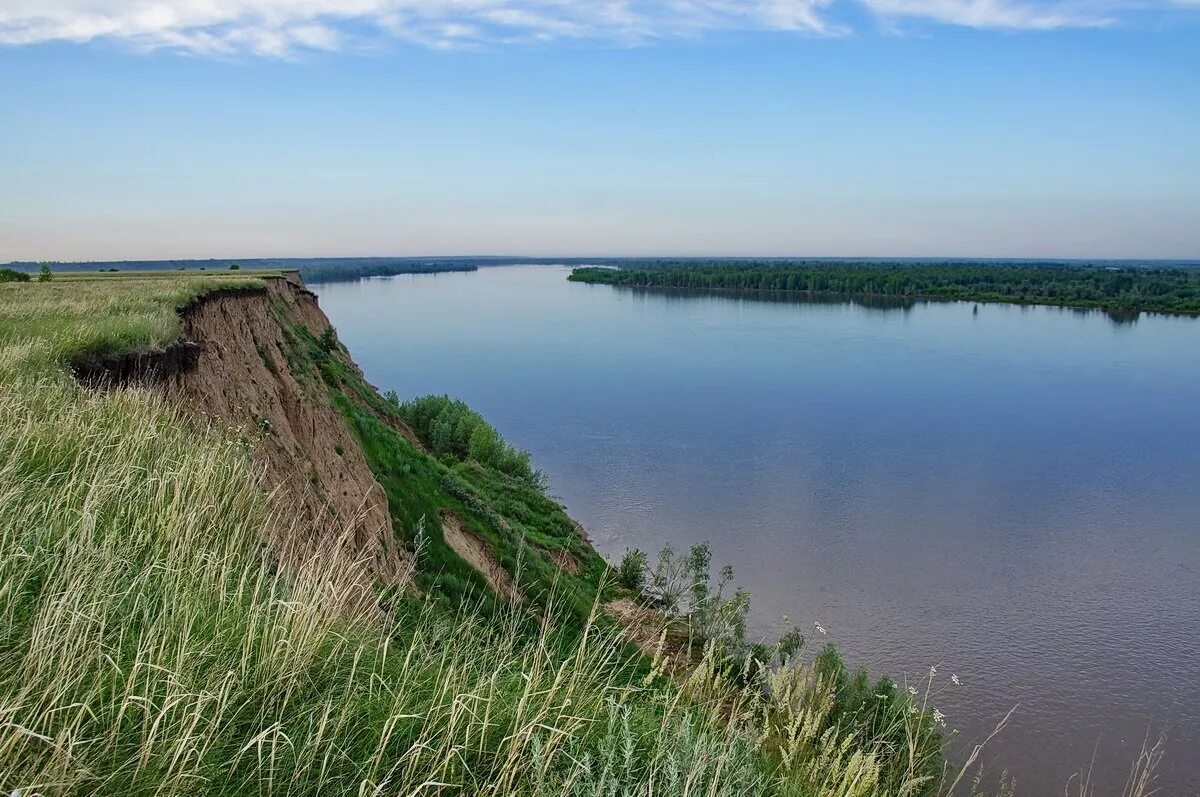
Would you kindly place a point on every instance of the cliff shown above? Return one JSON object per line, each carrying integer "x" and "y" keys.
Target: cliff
{"x": 341, "y": 463}
{"x": 310, "y": 460}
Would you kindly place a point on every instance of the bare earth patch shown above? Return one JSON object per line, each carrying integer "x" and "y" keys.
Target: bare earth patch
{"x": 563, "y": 560}
{"x": 478, "y": 554}
{"x": 644, "y": 628}
{"x": 310, "y": 458}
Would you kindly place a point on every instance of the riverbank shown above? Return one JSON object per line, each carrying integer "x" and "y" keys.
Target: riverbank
{"x": 1116, "y": 290}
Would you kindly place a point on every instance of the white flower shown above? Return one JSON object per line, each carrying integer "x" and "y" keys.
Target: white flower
{"x": 820, "y": 628}
{"x": 954, "y": 679}
{"x": 939, "y": 718}
{"x": 933, "y": 670}
{"x": 912, "y": 690}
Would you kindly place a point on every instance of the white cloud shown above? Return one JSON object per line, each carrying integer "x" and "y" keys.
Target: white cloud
{"x": 283, "y": 27}
{"x": 1011, "y": 14}
{"x": 278, "y": 27}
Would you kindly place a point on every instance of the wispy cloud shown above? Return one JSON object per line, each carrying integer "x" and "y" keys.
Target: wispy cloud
{"x": 1010, "y": 14}
{"x": 283, "y": 27}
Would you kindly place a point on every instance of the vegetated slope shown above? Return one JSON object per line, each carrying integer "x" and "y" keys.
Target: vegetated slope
{"x": 170, "y": 627}
{"x": 1168, "y": 290}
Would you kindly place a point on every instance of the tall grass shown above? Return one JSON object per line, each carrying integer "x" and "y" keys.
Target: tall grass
{"x": 150, "y": 645}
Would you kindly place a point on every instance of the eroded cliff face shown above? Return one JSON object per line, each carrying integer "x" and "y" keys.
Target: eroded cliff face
{"x": 244, "y": 373}
{"x": 333, "y": 454}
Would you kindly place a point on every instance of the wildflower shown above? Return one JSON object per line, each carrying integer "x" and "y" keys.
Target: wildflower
{"x": 820, "y": 628}
{"x": 912, "y": 690}
{"x": 933, "y": 670}
{"x": 939, "y": 718}
{"x": 954, "y": 680}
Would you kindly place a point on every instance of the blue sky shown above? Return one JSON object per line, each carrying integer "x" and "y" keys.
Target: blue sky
{"x": 231, "y": 128}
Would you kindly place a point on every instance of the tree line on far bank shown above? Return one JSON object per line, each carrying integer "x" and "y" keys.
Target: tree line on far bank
{"x": 1168, "y": 290}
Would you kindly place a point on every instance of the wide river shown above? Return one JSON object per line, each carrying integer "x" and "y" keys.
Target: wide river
{"x": 1009, "y": 493}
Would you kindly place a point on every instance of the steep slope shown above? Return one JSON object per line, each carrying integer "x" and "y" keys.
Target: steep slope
{"x": 309, "y": 458}
{"x": 343, "y": 465}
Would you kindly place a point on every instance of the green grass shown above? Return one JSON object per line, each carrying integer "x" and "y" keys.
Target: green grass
{"x": 151, "y": 644}
{"x": 507, "y": 509}
{"x": 81, "y": 313}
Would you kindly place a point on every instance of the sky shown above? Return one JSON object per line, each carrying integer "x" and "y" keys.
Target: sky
{"x": 143, "y": 129}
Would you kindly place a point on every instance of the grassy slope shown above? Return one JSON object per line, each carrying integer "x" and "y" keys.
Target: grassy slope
{"x": 517, "y": 520}
{"x": 148, "y": 644}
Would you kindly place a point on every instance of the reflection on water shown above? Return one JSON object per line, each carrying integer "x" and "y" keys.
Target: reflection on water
{"x": 788, "y": 297}
{"x": 1007, "y": 492}
{"x": 1116, "y": 316}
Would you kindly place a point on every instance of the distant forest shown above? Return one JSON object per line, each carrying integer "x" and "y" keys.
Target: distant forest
{"x": 1113, "y": 288}
{"x": 312, "y": 269}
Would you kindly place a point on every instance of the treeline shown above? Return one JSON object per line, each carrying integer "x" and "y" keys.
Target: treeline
{"x": 1167, "y": 290}
{"x": 312, "y": 269}
{"x": 355, "y": 269}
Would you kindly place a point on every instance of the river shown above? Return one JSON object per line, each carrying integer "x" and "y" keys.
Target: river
{"x": 1010, "y": 494}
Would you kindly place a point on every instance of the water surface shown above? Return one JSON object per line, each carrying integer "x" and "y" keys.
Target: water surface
{"x": 1008, "y": 493}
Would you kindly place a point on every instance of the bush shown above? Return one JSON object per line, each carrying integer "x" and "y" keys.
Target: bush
{"x": 44, "y": 273}
{"x": 329, "y": 340}
{"x": 631, "y": 573}
{"x": 9, "y": 275}
{"x": 451, "y": 428}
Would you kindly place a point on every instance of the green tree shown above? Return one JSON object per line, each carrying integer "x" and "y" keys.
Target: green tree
{"x": 631, "y": 573}
{"x": 11, "y": 275}
{"x": 329, "y": 340}
{"x": 44, "y": 273}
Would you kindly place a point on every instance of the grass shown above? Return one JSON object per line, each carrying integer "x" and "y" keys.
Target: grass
{"x": 509, "y": 511}
{"x": 81, "y": 313}
{"x": 151, "y": 644}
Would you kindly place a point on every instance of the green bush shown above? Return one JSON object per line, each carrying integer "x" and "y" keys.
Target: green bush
{"x": 329, "y": 340}
{"x": 450, "y": 427}
{"x": 631, "y": 573}
{"x": 9, "y": 275}
{"x": 44, "y": 273}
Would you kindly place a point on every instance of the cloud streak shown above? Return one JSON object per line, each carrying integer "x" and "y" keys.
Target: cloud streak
{"x": 280, "y": 28}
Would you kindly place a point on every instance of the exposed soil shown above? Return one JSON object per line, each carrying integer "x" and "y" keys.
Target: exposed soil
{"x": 232, "y": 366}
{"x": 644, "y": 628}
{"x": 310, "y": 459}
{"x": 478, "y": 554}
{"x": 149, "y": 366}
{"x": 562, "y": 560}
